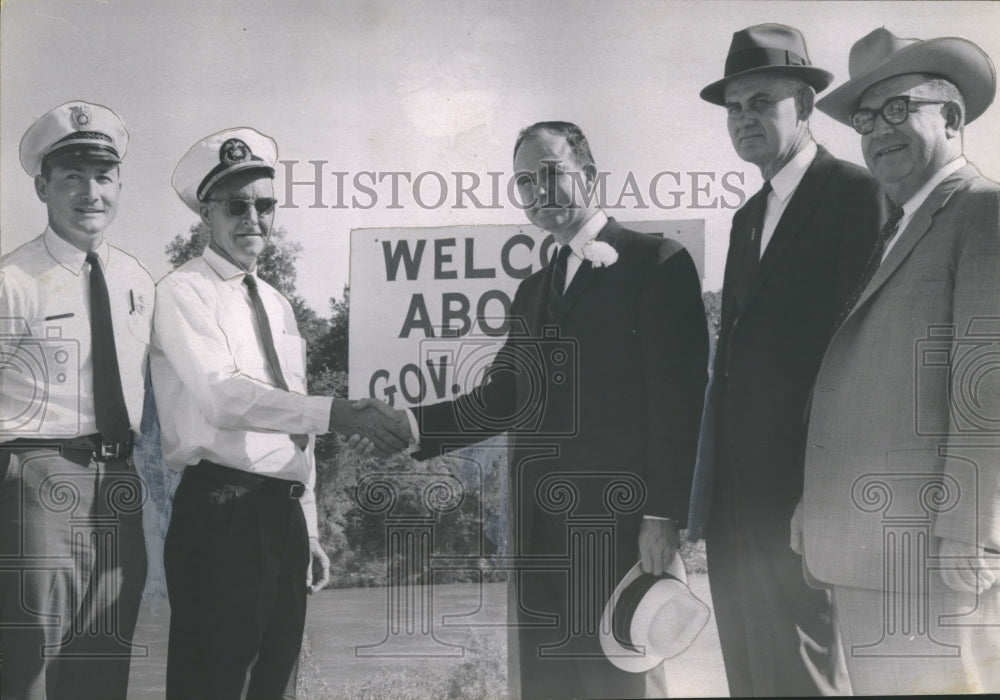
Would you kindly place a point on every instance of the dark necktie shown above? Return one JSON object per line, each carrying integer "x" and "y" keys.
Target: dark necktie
{"x": 751, "y": 253}
{"x": 889, "y": 230}
{"x": 109, "y": 401}
{"x": 558, "y": 286}
{"x": 264, "y": 327}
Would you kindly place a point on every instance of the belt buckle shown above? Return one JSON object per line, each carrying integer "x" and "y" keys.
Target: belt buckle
{"x": 296, "y": 490}
{"x": 107, "y": 451}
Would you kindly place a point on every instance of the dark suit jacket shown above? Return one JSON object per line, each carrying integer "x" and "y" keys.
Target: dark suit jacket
{"x": 772, "y": 340}
{"x": 601, "y": 403}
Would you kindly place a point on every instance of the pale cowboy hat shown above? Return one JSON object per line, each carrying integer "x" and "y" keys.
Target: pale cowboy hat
{"x": 881, "y": 55}
{"x": 767, "y": 47}
{"x": 651, "y": 618}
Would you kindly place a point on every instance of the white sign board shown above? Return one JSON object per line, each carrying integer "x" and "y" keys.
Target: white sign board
{"x": 417, "y": 294}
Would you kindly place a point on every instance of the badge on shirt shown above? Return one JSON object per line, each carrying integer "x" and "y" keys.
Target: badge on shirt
{"x": 136, "y": 303}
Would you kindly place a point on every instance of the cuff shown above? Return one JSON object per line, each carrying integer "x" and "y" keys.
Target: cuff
{"x": 317, "y": 412}
{"x": 414, "y": 431}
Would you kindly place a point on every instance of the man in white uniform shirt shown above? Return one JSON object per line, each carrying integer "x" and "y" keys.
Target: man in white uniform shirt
{"x": 228, "y": 370}
{"x": 75, "y": 314}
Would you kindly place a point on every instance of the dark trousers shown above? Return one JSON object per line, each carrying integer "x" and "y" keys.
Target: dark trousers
{"x": 776, "y": 632}
{"x": 72, "y": 570}
{"x": 565, "y": 660}
{"x": 236, "y": 558}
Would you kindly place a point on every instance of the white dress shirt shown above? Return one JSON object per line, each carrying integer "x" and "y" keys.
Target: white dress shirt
{"x": 587, "y": 233}
{"x": 216, "y": 397}
{"x": 783, "y": 186}
{"x": 46, "y": 368}
{"x": 914, "y": 202}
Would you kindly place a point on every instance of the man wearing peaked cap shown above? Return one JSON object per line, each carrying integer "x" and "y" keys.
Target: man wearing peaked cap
{"x": 75, "y": 314}
{"x": 900, "y": 514}
{"x": 228, "y": 369}
{"x": 795, "y": 251}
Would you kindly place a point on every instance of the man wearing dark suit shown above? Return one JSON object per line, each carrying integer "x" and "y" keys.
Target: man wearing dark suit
{"x": 600, "y": 385}
{"x": 795, "y": 251}
{"x": 901, "y": 502}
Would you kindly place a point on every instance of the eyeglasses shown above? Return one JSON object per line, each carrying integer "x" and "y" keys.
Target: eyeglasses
{"x": 895, "y": 111}
{"x": 239, "y": 207}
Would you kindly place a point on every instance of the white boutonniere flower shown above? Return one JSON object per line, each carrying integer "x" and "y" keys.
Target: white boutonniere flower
{"x": 599, "y": 253}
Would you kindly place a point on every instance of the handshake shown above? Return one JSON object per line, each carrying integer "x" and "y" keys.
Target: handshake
{"x": 373, "y": 427}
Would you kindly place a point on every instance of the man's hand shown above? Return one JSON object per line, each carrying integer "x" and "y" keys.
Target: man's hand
{"x": 659, "y": 541}
{"x": 796, "y": 538}
{"x": 316, "y": 580}
{"x": 387, "y": 429}
{"x": 970, "y": 572}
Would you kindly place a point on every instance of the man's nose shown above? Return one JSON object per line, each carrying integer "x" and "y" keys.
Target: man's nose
{"x": 91, "y": 189}
{"x": 882, "y": 127}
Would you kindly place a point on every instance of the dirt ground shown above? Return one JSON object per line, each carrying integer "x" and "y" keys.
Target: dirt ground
{"x": 351, "y": 642}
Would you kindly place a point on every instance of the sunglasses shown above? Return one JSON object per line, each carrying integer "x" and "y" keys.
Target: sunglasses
{"x": 239, "y": 207}
{"x": 895, "y": 111}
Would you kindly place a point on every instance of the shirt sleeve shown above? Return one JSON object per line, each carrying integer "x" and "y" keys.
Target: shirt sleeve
{"x": 186, "y": 331}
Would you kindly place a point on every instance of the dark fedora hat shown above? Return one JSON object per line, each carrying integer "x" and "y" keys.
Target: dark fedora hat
{"x": 767, "y": 47}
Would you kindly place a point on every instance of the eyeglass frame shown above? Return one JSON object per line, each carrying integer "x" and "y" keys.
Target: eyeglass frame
{"x": 905, "y": 99}
{"x": 246, "y": 204}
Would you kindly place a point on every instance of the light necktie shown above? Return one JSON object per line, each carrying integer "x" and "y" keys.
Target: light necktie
{"x": 889, "y": 230}
{"x": 264, "y": 327}
{"x": 109, "y": 401}
{"x": 558, "y": 286}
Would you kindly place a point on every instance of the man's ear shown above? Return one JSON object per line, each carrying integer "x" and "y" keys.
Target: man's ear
{"x": 590, "y": 173}
{"x": 954, "y": 119}
{"x": 41, "y": 187}
{"x": 804, "y": 100}
{"x": 203, "y": 213}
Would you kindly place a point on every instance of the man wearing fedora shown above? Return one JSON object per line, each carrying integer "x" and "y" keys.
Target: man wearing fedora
{"x": 228, "y": 370}
{"x": 75, "y": 314}
{"x": 901, "y": 507}
{"x": 796, "y": 249}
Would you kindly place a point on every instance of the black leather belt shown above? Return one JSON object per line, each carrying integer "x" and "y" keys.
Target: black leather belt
{"x": 93, "y": 446}
{"x": 206, "y": 470}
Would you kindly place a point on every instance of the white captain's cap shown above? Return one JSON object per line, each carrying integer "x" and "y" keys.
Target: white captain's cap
{"x": 219, "y": 156}
{"x": 74, "y": 131}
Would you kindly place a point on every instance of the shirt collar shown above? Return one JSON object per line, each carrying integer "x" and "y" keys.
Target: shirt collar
{"x": 914, "y": 202}
{"x": 225, "y": 269}
{"x": 788, "y": 178}
{"x": 588, "y": 232}
{"x": 68, "y": 255}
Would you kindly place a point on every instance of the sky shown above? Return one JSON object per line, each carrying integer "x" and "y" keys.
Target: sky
{"x": 428, "y": 88}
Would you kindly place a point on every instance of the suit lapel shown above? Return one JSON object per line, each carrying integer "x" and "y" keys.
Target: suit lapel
{"x": 610, "y": 234}
{"x": 805, "y": 199}
{"x": 918, "y": 227}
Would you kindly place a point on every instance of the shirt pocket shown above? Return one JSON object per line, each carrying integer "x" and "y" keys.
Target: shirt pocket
{"x": 293, "y": 362}
{"x": 139, "y": 325}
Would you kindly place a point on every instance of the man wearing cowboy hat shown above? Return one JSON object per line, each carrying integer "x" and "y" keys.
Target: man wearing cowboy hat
{"x": 796, "y": 249}
{"x": 901, "y": 502}
{"x": 75, "y": 314}
{"x": 228, "y": 370}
